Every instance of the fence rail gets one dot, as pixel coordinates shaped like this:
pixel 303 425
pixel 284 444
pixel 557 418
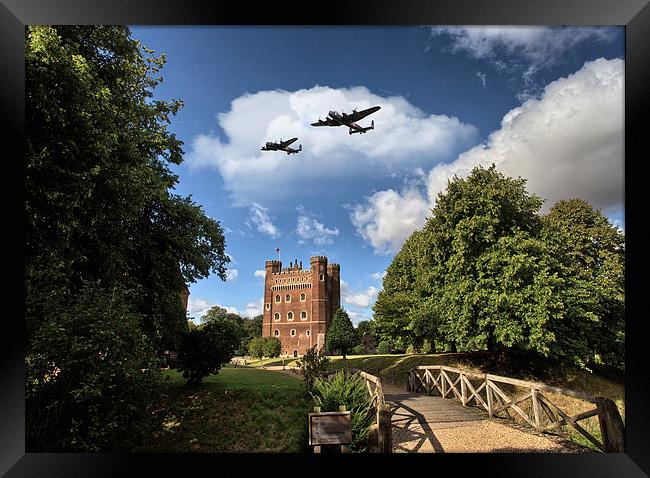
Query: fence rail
pixel 545 416
pixel 378 401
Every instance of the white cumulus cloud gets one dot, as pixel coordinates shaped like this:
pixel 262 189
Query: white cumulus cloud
pixel 197 307
pixel 259 215
pixel 260 273
pixel 404 137
pixel 388 217
pixel 308 228
pixel 537 45
pixel 253 309
pixel 358 298
pixel 232 274
pixel 567 143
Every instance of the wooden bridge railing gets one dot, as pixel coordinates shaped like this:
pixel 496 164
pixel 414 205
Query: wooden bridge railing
pixel 376 392
pixel 545 416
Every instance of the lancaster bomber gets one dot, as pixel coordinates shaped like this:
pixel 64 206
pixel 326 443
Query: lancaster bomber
pixel 282 146
pixel 343 119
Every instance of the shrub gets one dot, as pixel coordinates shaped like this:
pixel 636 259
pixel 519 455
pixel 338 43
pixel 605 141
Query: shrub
pixel 203 351
pixel 312 365
pixel 347 389
pixel 91 375
pixel 359 350
pixel 384 347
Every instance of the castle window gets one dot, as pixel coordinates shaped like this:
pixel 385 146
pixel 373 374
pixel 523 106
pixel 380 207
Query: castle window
pixel 290 316
pixel 293 332
pixel 276 333
pixel 303 315
pixel 308 333
pixel 277 316
pixel 303 297
pixel 268 306
pixel 321 276
pixel 277 298
pixel 287 298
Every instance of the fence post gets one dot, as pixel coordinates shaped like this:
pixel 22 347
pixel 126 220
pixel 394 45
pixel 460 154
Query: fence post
pixel 612 428
pixel 384 432
pixel 488 393
pixel 463 392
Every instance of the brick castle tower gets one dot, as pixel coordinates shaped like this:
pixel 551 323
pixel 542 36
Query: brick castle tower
pixel 299 304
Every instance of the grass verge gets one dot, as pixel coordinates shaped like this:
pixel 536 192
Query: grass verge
pixel 238 410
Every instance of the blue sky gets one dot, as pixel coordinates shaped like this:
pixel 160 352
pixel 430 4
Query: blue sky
pixel 542 103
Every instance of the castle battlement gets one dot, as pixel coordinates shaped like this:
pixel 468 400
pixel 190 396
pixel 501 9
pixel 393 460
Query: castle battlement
pixel 299 304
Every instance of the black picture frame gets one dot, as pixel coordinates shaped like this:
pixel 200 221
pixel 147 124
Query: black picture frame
pixel 633 14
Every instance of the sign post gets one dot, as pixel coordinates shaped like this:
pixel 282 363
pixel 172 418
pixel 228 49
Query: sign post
pixel 330 428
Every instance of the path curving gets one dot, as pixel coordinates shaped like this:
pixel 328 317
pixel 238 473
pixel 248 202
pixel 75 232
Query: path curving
pixel 426 424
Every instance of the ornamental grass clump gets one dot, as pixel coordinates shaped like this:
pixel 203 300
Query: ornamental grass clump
pixel 347 389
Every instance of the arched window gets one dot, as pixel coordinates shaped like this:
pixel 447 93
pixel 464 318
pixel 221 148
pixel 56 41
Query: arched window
pixel 303 297
pixel 268 306
pixel 293 332
pixel 290 316
pixel 303 315
pixel 277 298
pixel 287 298
pixel 276 316
pixel 276 333
pixel 308 333
pixel 321 276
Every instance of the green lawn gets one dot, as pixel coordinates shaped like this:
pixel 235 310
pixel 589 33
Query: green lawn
pixel 238 410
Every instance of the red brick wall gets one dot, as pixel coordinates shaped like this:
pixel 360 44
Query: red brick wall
pixel 294 281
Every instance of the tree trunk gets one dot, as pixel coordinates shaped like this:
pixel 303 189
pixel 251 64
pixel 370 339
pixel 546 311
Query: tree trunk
pixel 453 347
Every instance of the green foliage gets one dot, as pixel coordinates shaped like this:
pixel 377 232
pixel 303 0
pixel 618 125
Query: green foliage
pixel 99 211
pixel 341 334
pixel 359 349
pixel 384 347
pixel 312 365
pixel 347 389
pixel 204 350
pixel 251 328
pixel 487 271
pixel 91 375
pixel 261 347
pixel 272 347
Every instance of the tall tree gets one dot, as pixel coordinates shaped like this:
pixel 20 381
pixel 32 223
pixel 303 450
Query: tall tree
pixel 591 253
pixel 341 334
pixel 100 216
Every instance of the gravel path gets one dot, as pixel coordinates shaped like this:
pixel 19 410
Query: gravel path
pixel 424 424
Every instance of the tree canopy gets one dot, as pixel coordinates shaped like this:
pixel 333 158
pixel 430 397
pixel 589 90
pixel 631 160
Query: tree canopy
pixel 488 271
pixel 341 334
pixel 100 216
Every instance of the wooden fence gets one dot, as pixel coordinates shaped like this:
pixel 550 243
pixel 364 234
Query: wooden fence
pixel 544 415
pixel 376 392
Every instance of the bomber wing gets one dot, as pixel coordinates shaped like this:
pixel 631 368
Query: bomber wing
pixel 286 143
pixel 357 115
pixel 327 122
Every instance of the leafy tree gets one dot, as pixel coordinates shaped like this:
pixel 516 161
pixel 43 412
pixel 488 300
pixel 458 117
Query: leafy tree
pixel 256 348
pixel 312 365
pixel 591 254
pixel 384 347
pixel 91 375
pixel 359 349
pixel 252 328
pixel 204 350
pixel 341 334
pixel 272 346
pixel 99 212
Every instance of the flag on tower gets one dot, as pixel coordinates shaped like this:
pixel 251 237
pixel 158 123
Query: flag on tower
pixel 277 249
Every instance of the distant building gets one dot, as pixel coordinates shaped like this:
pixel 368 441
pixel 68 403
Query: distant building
pixel 299 304
pixel 368 343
